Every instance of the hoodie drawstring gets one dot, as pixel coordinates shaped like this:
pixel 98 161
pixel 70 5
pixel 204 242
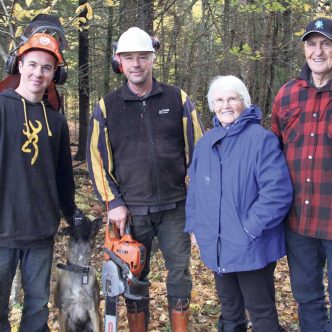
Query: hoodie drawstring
pixel 26 117
pixel 48 127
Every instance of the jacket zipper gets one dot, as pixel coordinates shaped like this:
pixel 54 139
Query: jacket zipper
pixel 219 225
pixel 152 150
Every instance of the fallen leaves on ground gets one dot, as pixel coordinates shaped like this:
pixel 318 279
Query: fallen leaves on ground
pixel 204 308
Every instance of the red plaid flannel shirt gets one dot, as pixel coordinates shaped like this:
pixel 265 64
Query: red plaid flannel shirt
pixel 302 119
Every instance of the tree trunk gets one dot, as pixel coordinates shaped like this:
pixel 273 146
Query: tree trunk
pixel 83 90
pixel 145 15
pixel 108 52
pixel 267 65
pixel 127 14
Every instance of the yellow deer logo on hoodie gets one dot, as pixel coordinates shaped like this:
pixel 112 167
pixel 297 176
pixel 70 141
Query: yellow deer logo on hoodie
pixel 31 133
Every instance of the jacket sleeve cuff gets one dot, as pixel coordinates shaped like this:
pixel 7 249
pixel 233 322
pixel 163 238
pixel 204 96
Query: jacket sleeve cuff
pixel 115 203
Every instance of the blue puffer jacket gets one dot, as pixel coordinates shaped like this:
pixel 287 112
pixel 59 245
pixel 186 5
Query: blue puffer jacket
pixel 239 193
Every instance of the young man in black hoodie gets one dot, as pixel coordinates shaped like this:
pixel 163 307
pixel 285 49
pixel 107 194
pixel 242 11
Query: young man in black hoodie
pixel 36 181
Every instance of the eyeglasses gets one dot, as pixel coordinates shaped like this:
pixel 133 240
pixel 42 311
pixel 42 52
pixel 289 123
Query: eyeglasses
pixel 232 101
pixel 312 45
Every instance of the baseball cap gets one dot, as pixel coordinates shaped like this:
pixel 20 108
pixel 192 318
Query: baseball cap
pixel 320 25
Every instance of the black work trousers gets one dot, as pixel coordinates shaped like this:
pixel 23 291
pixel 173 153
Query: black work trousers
pixel 174 243
pixel 251 290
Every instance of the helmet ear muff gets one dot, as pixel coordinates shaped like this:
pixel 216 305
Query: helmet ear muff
pixel 59 78
pixel 12 63
pixel 116 64
pixel 155 42
pixel 116 61
pixel 60 75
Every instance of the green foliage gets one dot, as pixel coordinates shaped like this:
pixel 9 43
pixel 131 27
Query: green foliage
pixel 261 6
pixel 245 52
pixel 199 39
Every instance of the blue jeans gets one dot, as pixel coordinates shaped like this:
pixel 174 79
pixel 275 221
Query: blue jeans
pixel 307 257
pixel 35 266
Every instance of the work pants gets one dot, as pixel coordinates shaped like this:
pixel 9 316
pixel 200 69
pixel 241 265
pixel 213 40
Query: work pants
pixel 174 243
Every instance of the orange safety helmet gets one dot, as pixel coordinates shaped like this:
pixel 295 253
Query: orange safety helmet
pixel 42 41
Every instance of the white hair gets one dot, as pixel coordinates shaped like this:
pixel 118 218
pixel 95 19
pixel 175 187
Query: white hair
pixel 228 83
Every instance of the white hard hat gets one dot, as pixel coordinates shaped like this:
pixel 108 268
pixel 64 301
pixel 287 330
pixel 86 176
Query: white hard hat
pixel 134 40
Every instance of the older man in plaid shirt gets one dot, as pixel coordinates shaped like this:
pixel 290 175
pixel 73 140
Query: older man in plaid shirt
pixel 302 119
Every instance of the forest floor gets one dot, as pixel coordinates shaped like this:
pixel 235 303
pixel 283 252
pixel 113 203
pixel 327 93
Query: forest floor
pixel 204 308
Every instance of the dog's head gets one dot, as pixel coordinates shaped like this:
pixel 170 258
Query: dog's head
pixel 82 228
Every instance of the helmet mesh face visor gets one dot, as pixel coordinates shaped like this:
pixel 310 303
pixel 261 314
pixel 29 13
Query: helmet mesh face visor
pixel 48 24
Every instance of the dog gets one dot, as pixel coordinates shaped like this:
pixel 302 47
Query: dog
pixel 77 291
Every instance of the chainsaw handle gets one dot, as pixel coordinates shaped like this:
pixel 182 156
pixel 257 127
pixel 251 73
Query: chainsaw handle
pixel 117 260
pixel 138 282
pixel 127 228
pixel 116 230
pixel 111 228
pixel 125 269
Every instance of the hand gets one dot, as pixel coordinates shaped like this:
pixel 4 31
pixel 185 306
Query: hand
pixel 118 216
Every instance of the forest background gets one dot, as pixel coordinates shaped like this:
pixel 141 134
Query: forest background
pixel 256 40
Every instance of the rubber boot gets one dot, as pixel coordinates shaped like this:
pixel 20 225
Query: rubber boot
pixel 138 315
pixel 136 322
pixel 179 320
pixel 179 316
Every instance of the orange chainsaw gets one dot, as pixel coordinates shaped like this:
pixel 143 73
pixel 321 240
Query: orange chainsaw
pixel 125 259
pixel 126 248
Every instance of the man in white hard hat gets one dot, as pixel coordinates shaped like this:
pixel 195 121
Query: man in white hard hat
pixel 141 139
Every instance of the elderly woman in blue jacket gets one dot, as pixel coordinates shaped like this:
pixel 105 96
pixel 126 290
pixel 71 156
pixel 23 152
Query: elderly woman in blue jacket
pixel 239 193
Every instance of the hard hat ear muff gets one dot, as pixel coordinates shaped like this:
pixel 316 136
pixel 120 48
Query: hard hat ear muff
pixel 116 61
pixel 60 75
pixel 155 42
pixel 11 64
pixel 59 78
pixel 116 64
